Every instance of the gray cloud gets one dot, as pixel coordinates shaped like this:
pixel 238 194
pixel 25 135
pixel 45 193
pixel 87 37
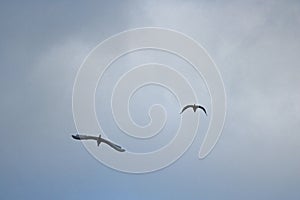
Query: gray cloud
pixel 255 44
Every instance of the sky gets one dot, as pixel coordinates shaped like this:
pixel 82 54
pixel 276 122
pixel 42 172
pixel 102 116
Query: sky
pixel 255 45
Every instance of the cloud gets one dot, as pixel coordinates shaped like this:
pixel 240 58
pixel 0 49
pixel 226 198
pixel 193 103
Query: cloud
pixel 255 44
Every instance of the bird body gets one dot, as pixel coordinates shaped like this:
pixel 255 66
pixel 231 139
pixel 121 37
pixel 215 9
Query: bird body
pixel 195 107
pixel 99 140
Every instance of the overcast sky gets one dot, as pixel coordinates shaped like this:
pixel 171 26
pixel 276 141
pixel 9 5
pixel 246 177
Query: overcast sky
pixel 256 46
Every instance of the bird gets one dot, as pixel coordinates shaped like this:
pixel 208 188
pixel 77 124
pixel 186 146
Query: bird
pixel 99 140
pixel 194 108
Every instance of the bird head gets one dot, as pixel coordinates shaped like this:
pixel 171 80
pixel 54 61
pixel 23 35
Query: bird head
pixel 99 140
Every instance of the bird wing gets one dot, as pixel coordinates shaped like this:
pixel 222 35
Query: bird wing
pixel 84 137
pixel 203 109
pixel 114 146
pixel 76 137
pixel 186 107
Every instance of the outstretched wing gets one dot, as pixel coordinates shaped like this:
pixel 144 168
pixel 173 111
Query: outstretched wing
pixel 186 107
pixel 202 108
pixel 84 137
pixel 114 146
pixel 76 137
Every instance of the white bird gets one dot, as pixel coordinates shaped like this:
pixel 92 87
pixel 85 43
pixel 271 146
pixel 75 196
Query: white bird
pixel 99 140
pixel 194 108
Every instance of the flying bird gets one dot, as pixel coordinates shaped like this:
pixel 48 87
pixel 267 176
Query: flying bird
pixel 99 140
pixel 195 107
